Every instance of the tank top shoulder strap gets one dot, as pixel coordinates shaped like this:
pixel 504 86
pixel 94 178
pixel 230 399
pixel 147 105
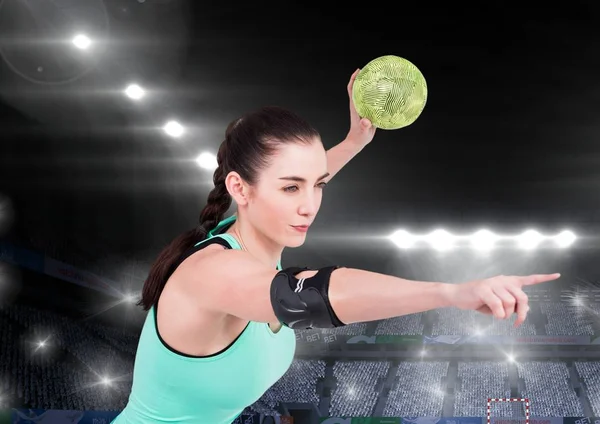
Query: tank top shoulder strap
pixel 219 236
pixel 233 243
pixel 230 240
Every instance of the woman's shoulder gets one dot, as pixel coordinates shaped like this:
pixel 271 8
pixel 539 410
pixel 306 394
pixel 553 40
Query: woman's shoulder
pixel 200 257
pixel 217 259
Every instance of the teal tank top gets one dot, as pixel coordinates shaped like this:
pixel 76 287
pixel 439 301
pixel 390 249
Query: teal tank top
pixel 171 387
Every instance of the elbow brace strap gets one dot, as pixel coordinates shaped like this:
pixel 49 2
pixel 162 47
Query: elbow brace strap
pixel 303 303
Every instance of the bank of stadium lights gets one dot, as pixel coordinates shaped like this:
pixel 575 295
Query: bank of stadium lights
pixel 482 240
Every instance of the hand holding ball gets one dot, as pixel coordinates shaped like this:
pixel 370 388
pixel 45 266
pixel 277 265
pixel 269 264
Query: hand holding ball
pixel 389 91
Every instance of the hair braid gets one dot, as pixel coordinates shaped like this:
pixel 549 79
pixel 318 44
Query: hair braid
pixel 219 199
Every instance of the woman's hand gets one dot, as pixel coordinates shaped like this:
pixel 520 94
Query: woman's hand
pixel 361 131
pixel 499 296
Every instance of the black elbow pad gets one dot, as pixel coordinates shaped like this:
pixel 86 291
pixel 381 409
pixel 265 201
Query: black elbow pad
pixel 303 303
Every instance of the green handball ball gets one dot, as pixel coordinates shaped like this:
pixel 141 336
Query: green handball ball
pixel 389 91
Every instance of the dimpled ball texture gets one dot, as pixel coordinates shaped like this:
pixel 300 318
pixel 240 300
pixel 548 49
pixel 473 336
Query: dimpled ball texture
pixel 389 91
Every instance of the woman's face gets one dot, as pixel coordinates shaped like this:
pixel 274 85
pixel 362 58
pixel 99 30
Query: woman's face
pixel 287 196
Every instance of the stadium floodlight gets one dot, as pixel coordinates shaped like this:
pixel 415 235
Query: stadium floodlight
pixel 134 92
pixel 173 129
pixel 207 161
pixel 565 239
pixel 530 239
pixel 441 240
pixel 81 41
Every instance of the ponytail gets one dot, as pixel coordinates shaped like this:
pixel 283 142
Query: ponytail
pixel 219 201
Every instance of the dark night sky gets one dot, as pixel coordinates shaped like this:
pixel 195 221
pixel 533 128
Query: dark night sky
pixel 510 130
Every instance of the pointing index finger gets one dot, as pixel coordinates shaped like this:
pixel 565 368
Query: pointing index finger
pixel 539 278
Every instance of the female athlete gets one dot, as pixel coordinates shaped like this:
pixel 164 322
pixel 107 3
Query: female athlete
pixel 222 311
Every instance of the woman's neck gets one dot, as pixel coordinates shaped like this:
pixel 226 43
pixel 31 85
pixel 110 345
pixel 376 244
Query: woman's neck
pixel 256 244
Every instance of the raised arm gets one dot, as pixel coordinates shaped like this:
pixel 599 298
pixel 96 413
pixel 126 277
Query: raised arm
pixel 360 134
